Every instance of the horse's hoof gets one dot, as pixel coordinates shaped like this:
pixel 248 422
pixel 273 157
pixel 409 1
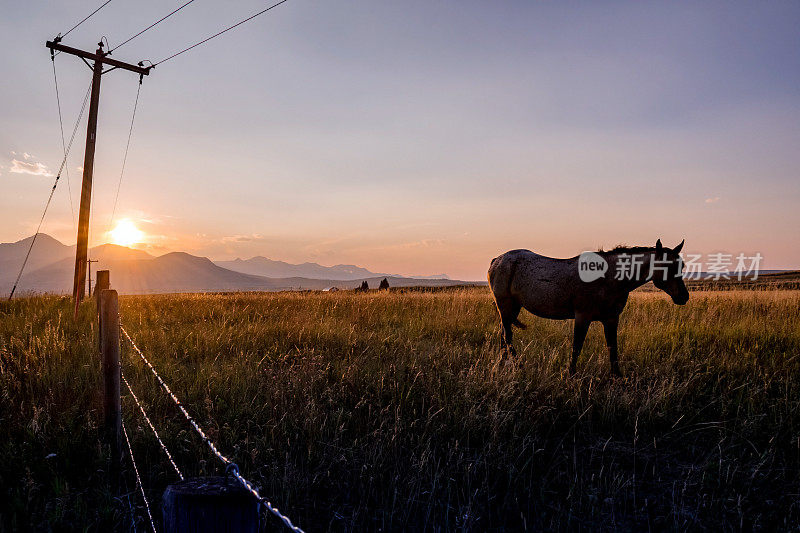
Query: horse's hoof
pixel 572 370
pixel 616 372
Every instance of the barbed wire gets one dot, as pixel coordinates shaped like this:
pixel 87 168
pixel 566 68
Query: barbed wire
pixel 175 399
pixel 149 423
pixel 232 468
pixel 138 478
pixel 272 509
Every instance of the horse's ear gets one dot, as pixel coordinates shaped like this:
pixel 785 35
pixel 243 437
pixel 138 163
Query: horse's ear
pixel 659 246
pixel 678 248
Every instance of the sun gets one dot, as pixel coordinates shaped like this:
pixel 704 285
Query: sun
pixel 126 233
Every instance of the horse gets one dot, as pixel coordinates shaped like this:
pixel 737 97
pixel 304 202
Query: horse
pixel 593 286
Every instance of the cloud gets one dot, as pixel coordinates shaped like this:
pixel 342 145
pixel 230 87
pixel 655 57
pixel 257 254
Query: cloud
pixel 35 168
pixel 256 237
pixel 402 246
pixel 713 200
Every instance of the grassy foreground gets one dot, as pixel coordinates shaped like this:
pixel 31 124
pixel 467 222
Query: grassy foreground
pixel 387 411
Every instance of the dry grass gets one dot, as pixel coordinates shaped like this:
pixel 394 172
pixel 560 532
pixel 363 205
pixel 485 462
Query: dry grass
pixel 389 411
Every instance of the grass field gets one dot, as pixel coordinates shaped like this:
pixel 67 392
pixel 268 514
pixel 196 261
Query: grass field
pixel 387 411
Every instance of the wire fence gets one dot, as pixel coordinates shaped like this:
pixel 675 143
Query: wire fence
pixel 138 477
pixel 231 468
pixel 152 427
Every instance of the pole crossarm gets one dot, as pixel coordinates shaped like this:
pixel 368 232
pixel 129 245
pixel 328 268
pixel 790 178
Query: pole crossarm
pixel 144 71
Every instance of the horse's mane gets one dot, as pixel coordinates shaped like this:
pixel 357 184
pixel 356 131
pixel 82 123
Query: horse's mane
pixel 623 249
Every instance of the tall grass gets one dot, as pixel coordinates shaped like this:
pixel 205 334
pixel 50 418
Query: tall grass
pixel 392 411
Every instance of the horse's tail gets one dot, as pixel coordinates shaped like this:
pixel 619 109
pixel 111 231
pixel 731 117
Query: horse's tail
pixel 497 285
pixel 511 275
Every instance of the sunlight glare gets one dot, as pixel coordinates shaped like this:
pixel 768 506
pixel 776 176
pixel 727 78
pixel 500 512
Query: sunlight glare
pixel 126 233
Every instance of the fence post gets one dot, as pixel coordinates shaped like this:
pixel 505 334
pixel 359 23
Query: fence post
pixel 103 282
pixel 112 412
pixel 210 504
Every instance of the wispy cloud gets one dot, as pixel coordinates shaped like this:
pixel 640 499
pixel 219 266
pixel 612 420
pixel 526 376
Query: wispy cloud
pixel 412 245
pixel 242 238
pixel 713 200
pixel 33 167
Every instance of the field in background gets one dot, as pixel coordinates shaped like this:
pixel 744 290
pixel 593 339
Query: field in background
pixel 389 411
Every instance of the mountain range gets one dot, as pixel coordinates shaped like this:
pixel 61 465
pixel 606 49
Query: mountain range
pixel 51 264
pixel 262 266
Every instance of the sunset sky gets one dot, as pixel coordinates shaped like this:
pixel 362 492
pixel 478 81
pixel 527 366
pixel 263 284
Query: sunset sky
pixel 417 137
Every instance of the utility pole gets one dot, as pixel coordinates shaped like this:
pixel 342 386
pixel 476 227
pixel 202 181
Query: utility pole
pixel 100 58
pixel 89 288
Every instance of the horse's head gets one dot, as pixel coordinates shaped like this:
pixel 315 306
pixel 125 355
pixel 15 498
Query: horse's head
pixel 668 272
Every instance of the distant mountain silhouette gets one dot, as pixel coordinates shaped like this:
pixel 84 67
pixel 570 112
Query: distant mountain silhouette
pixel 115 252
pixel 136 271
pixel 262 266
pixel 45 251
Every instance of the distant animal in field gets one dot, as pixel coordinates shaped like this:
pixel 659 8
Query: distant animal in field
pixel 384 286
pixel 593 286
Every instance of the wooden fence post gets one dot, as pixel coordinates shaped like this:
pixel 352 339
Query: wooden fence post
pixel 112 411
pixel 209 505
pixel 103 282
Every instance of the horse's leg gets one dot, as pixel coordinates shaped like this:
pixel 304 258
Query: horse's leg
pixel 581 327
pixel 610 330
pixel 509 311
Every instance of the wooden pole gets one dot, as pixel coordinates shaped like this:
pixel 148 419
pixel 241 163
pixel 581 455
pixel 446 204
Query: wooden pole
pixel 89 287
pixel 81 250
pixel 210 504
pixel 100 58
pixel 112 409
pixel 103 282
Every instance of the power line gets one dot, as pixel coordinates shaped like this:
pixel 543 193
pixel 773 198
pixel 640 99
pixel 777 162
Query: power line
pixel 50 198
pixel 125 157
pixel 63 144
pixel 165 17
pixel 221 32
pixel 85 19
